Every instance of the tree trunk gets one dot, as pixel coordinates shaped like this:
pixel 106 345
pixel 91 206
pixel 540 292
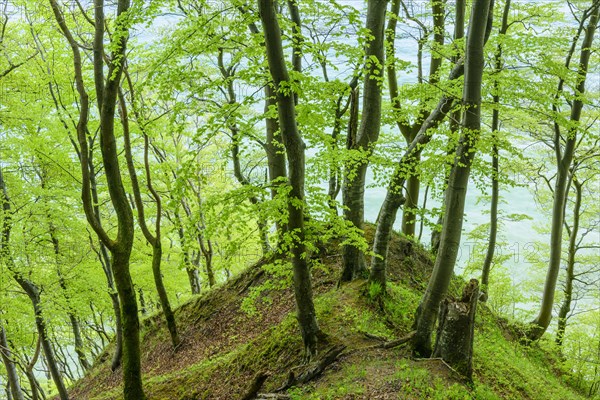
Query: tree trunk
pixel 14 386
pixel 455 334
pixel 120 248
pixel 489 256
pixel 104 258
pixel 539 325
pixel 132 382
pixel 565 307
pixel 294 147
pixel 32 291
pixel 413 183
pixel 458 180
pixel 142 300
pixel 153 240
pixel 34 295
pixel 190 268
pixel 162 295
pixel 353 190
pixel 406 167
pixel 36 389
pixel 78 341
pixel 194 279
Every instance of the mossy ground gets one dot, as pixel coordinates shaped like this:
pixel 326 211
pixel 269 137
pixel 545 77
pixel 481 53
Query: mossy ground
pixel 225 347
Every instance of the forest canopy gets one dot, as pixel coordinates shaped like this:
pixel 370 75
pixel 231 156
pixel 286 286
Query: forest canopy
pixel 153 151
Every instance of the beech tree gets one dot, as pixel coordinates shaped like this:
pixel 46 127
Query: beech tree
pixel 366 136
pixel 107 88
pixel 564 157
pixel 458 180
pixel 294 147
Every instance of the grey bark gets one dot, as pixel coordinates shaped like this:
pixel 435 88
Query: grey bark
pixel 294 147
pixel 565 307
pixel 458 180
pixel 353 188
pixel 489 256
pixel 455 335
pixel 14 385
pixel 564 158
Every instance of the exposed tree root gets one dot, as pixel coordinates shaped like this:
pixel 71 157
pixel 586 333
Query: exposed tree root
pixel 313 371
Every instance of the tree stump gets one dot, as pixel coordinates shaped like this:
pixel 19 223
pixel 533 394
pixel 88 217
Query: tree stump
pixel 454 340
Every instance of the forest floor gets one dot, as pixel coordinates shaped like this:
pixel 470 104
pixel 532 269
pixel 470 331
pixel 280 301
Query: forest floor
pixel 247 326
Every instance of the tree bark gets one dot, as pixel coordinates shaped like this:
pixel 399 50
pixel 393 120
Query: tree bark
pixel 565 307
pixel 454 340
pixel 489 256
pixel 405 167
pixel 32 291
pixel 153 240
pixel 564 159
pixel 120 248
pixel 14 386
pixel 353 189
pixel 458 180
pixel 294 147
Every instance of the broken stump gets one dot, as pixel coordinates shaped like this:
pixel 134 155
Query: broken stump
pixel 455 334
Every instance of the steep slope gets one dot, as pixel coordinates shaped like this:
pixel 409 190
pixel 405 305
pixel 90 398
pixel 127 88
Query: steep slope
pixel 247 327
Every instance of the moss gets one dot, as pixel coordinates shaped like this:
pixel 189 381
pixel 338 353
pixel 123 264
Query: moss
pixel 503 367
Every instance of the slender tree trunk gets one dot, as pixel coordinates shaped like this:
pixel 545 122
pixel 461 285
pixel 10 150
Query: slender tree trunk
pixel 32 291
pixel 14 385
pixel 162 295
pixel 405 167
pixel 458 181
pixel 353 190
pixel 104 258
pixel 34 295
pixel 455 116
pixel 120 248
pixel 565 307
pixel 489 256
pixel 294 147
pixel 190 268
pixel 78 341
pixel 36 389
pixel 564 158
pixel 153 240
pixel 413 183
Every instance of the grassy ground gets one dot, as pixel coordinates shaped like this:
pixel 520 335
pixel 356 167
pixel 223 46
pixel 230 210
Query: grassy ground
pixel 247 326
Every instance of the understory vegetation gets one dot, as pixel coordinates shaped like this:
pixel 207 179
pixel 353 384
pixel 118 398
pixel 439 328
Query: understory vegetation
pixel 299 199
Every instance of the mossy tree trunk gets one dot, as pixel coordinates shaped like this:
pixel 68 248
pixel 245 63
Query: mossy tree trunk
pixel 294 147
pixel 455 334
pixel 107 88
